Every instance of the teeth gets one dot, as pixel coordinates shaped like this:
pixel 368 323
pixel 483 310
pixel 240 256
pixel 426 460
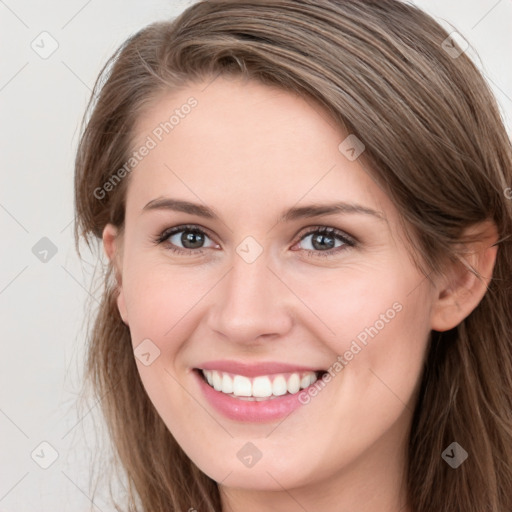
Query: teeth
pixel 227 384
pixel 217 381
pixel 279 386
pixel 239 386
pixel 306 381
pixel 259 387
pixel 293 384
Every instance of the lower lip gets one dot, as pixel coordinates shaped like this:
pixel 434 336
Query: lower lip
pixel 251 411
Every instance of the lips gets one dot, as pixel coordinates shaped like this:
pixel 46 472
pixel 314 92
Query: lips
pixel 259 392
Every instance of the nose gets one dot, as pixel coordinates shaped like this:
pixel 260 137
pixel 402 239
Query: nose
pixel 251 303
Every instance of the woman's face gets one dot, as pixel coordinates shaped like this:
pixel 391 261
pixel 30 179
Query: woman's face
pixel 285 252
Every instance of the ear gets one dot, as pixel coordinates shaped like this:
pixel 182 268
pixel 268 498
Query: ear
pixel 465 282
pixel 112 245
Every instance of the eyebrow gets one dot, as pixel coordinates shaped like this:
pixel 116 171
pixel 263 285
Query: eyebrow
pixel 294 213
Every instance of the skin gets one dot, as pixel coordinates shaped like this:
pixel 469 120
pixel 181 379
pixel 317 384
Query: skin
pixel 249 152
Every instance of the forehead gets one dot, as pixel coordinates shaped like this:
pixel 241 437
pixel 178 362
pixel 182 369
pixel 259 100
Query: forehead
pixel 246 144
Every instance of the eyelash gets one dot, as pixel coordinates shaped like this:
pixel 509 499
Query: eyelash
pixel 348 241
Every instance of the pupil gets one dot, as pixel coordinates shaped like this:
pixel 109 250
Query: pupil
pixel 319 242
pixel 194 240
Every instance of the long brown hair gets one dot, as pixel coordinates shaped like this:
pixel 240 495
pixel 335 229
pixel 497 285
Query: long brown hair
pixel 434 139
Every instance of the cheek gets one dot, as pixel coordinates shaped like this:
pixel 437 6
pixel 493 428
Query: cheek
pixel 363 304
pixel 376 323
pixel 160 301
pixel 158 297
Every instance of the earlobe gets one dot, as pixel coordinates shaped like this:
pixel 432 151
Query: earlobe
pixel 111 241
pixel 466 283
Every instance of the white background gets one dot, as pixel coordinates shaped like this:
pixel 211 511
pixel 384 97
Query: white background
pixel 42 305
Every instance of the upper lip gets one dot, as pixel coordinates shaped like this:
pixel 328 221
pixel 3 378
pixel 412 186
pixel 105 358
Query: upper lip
pixel 255 369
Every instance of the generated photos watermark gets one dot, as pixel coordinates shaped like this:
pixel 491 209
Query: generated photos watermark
pixel 356 346
pixel 150 143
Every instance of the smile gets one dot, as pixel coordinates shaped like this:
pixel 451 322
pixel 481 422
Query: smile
pixel 256 399
pixel 263 387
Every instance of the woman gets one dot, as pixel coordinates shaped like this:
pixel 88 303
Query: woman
pixel 305 211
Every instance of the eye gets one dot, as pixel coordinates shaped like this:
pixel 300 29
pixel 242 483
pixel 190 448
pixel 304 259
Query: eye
pixel 326 241
pixel 188 240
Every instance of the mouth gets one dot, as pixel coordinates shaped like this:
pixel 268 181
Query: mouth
pixel 259 388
